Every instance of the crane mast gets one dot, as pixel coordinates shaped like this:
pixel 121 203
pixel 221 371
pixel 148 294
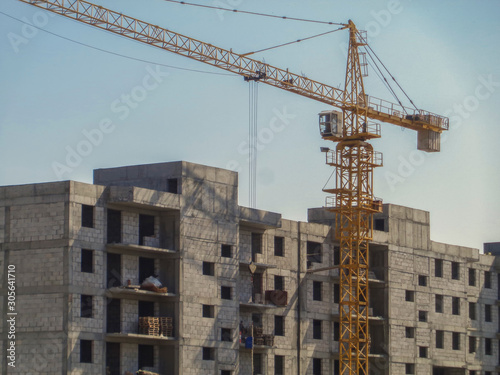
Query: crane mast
pixel 353 157
pixel 354 204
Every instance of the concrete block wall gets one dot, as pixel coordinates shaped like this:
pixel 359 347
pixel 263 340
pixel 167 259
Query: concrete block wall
pixel 86 279
pixel 98 357
pixel 37 222
pixel 40 312
pixel 38 353
pixel 39 267
pixel 95 323
pixel 129 316
pixel 128 354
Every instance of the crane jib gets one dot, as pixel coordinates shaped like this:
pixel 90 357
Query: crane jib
pixel 100 17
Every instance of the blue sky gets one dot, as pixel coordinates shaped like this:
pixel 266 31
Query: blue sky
pixel 56 93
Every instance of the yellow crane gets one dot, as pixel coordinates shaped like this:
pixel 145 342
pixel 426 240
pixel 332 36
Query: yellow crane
pixel 354 158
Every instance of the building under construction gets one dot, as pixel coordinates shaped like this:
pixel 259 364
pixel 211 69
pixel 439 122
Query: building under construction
pixel 232 290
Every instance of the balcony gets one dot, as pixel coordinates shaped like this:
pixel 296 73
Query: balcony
pixel 136 338
pixel 258 341
pixel 135 292
pixel 152 331
pixel 141 250
pixel 130 196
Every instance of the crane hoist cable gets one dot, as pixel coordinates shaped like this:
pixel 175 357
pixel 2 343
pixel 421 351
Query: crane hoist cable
pixel 253 99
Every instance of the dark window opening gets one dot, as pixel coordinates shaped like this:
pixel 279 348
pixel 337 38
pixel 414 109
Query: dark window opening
pixel 256 244
pixel 336 256
pixel 278 246
pixel 472 344
pixel 410 296
pixel 87 216
pixel 472 311
pixel 226 334
pixel 472 277
pixel 257 286
pixel 146 268
pixel 146 308
pixel 487 279
pixel 336 331
pixel 85 351
pixel 422 280
pixel 487 313
pixel 114 270
pixel 439 339
pixel 172 186
pixel 225 372
pixel 336 367
pixel 455 340
pixel 226 251
pixel 279 282
pixel 279 362
pixel 422 316
pixel 113 316
pixel 279 327
pixel 208 311
pixel 316 366
pixel 314 252
pixel 379 224
pixel 455 305
pixel 409 332
pixel 455 270
pixel 146 356
pixel 87 258
pixel 86 309
pixel 146 227
pixel 114 230
pixel 422 351
pixel 409 369
pixel 336 293
pixel 438 268
pixel 208 354
pixel 317 291
pixel 487 346
pixel 113 358
pixel 317 330
pixel 498 286
pixel 257 364
pixel 257 319
pixel 225 292
pixel 439 303
pixel 208 268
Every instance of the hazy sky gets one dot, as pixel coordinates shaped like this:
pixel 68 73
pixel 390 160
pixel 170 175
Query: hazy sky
pixel 71 82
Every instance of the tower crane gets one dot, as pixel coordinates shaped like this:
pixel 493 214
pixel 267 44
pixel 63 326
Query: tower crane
pixel 353 157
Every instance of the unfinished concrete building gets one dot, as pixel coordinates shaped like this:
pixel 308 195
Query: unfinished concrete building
pixel 81 252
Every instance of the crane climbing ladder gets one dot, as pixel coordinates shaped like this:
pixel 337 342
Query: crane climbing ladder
pixel 354 158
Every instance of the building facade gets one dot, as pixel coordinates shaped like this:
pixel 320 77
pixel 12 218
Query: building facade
pixel 79 253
